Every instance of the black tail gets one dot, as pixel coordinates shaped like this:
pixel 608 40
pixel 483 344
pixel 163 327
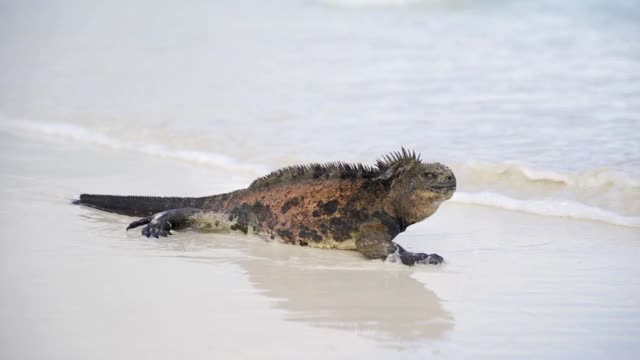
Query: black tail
pixel 137 205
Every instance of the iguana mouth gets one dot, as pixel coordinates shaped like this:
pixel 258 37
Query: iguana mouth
pixel 444 188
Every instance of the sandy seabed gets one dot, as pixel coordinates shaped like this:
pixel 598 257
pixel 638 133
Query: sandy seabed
pixel 75 285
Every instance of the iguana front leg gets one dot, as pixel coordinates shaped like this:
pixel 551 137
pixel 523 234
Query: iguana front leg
pixel 375 242
pixel 162 223
pixel 411 258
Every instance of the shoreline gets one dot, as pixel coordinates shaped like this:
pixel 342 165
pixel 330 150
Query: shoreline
pixel 214 162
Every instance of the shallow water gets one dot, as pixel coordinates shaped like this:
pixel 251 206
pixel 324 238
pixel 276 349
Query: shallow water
pixel 536 107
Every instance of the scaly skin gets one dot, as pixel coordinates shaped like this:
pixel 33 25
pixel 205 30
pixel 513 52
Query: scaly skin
pixel 341 206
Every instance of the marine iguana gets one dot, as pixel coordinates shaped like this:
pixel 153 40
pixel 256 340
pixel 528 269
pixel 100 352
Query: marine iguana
pixel 333 205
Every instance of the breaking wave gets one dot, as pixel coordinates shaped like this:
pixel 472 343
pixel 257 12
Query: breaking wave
pixel 82 134
pixel 518 173
pixel 601 194
pixel 547 207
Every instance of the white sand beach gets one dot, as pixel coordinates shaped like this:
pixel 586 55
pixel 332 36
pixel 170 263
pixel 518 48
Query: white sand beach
pixel 75 285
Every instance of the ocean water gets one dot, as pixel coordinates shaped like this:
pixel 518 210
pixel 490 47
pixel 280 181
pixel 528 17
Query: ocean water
pixel 536 106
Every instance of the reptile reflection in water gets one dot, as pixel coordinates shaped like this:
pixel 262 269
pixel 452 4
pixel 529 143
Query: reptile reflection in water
pixel 379 301
pixel 327 288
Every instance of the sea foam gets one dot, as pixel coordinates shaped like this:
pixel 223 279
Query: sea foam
pixel 77 133
pixel 518 172
pixel 547 207
pixel 604 188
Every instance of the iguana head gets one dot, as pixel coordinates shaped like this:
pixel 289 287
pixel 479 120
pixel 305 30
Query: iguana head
pixel 416 189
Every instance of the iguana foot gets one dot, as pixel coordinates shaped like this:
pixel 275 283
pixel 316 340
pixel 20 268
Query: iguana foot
pixel 157 228
pixel 409 258
pixel 156 225
pixel 161 223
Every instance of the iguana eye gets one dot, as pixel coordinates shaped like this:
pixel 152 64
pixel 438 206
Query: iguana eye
pixel 429 175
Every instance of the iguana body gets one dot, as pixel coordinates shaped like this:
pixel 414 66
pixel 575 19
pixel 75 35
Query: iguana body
pixel 341 206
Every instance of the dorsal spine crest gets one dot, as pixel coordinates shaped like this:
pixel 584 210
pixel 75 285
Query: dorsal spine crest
pixel 336 170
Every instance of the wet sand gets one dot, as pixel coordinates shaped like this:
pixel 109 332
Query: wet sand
pixel 75 285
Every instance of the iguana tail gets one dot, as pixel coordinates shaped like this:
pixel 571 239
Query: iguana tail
pixel 138 205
